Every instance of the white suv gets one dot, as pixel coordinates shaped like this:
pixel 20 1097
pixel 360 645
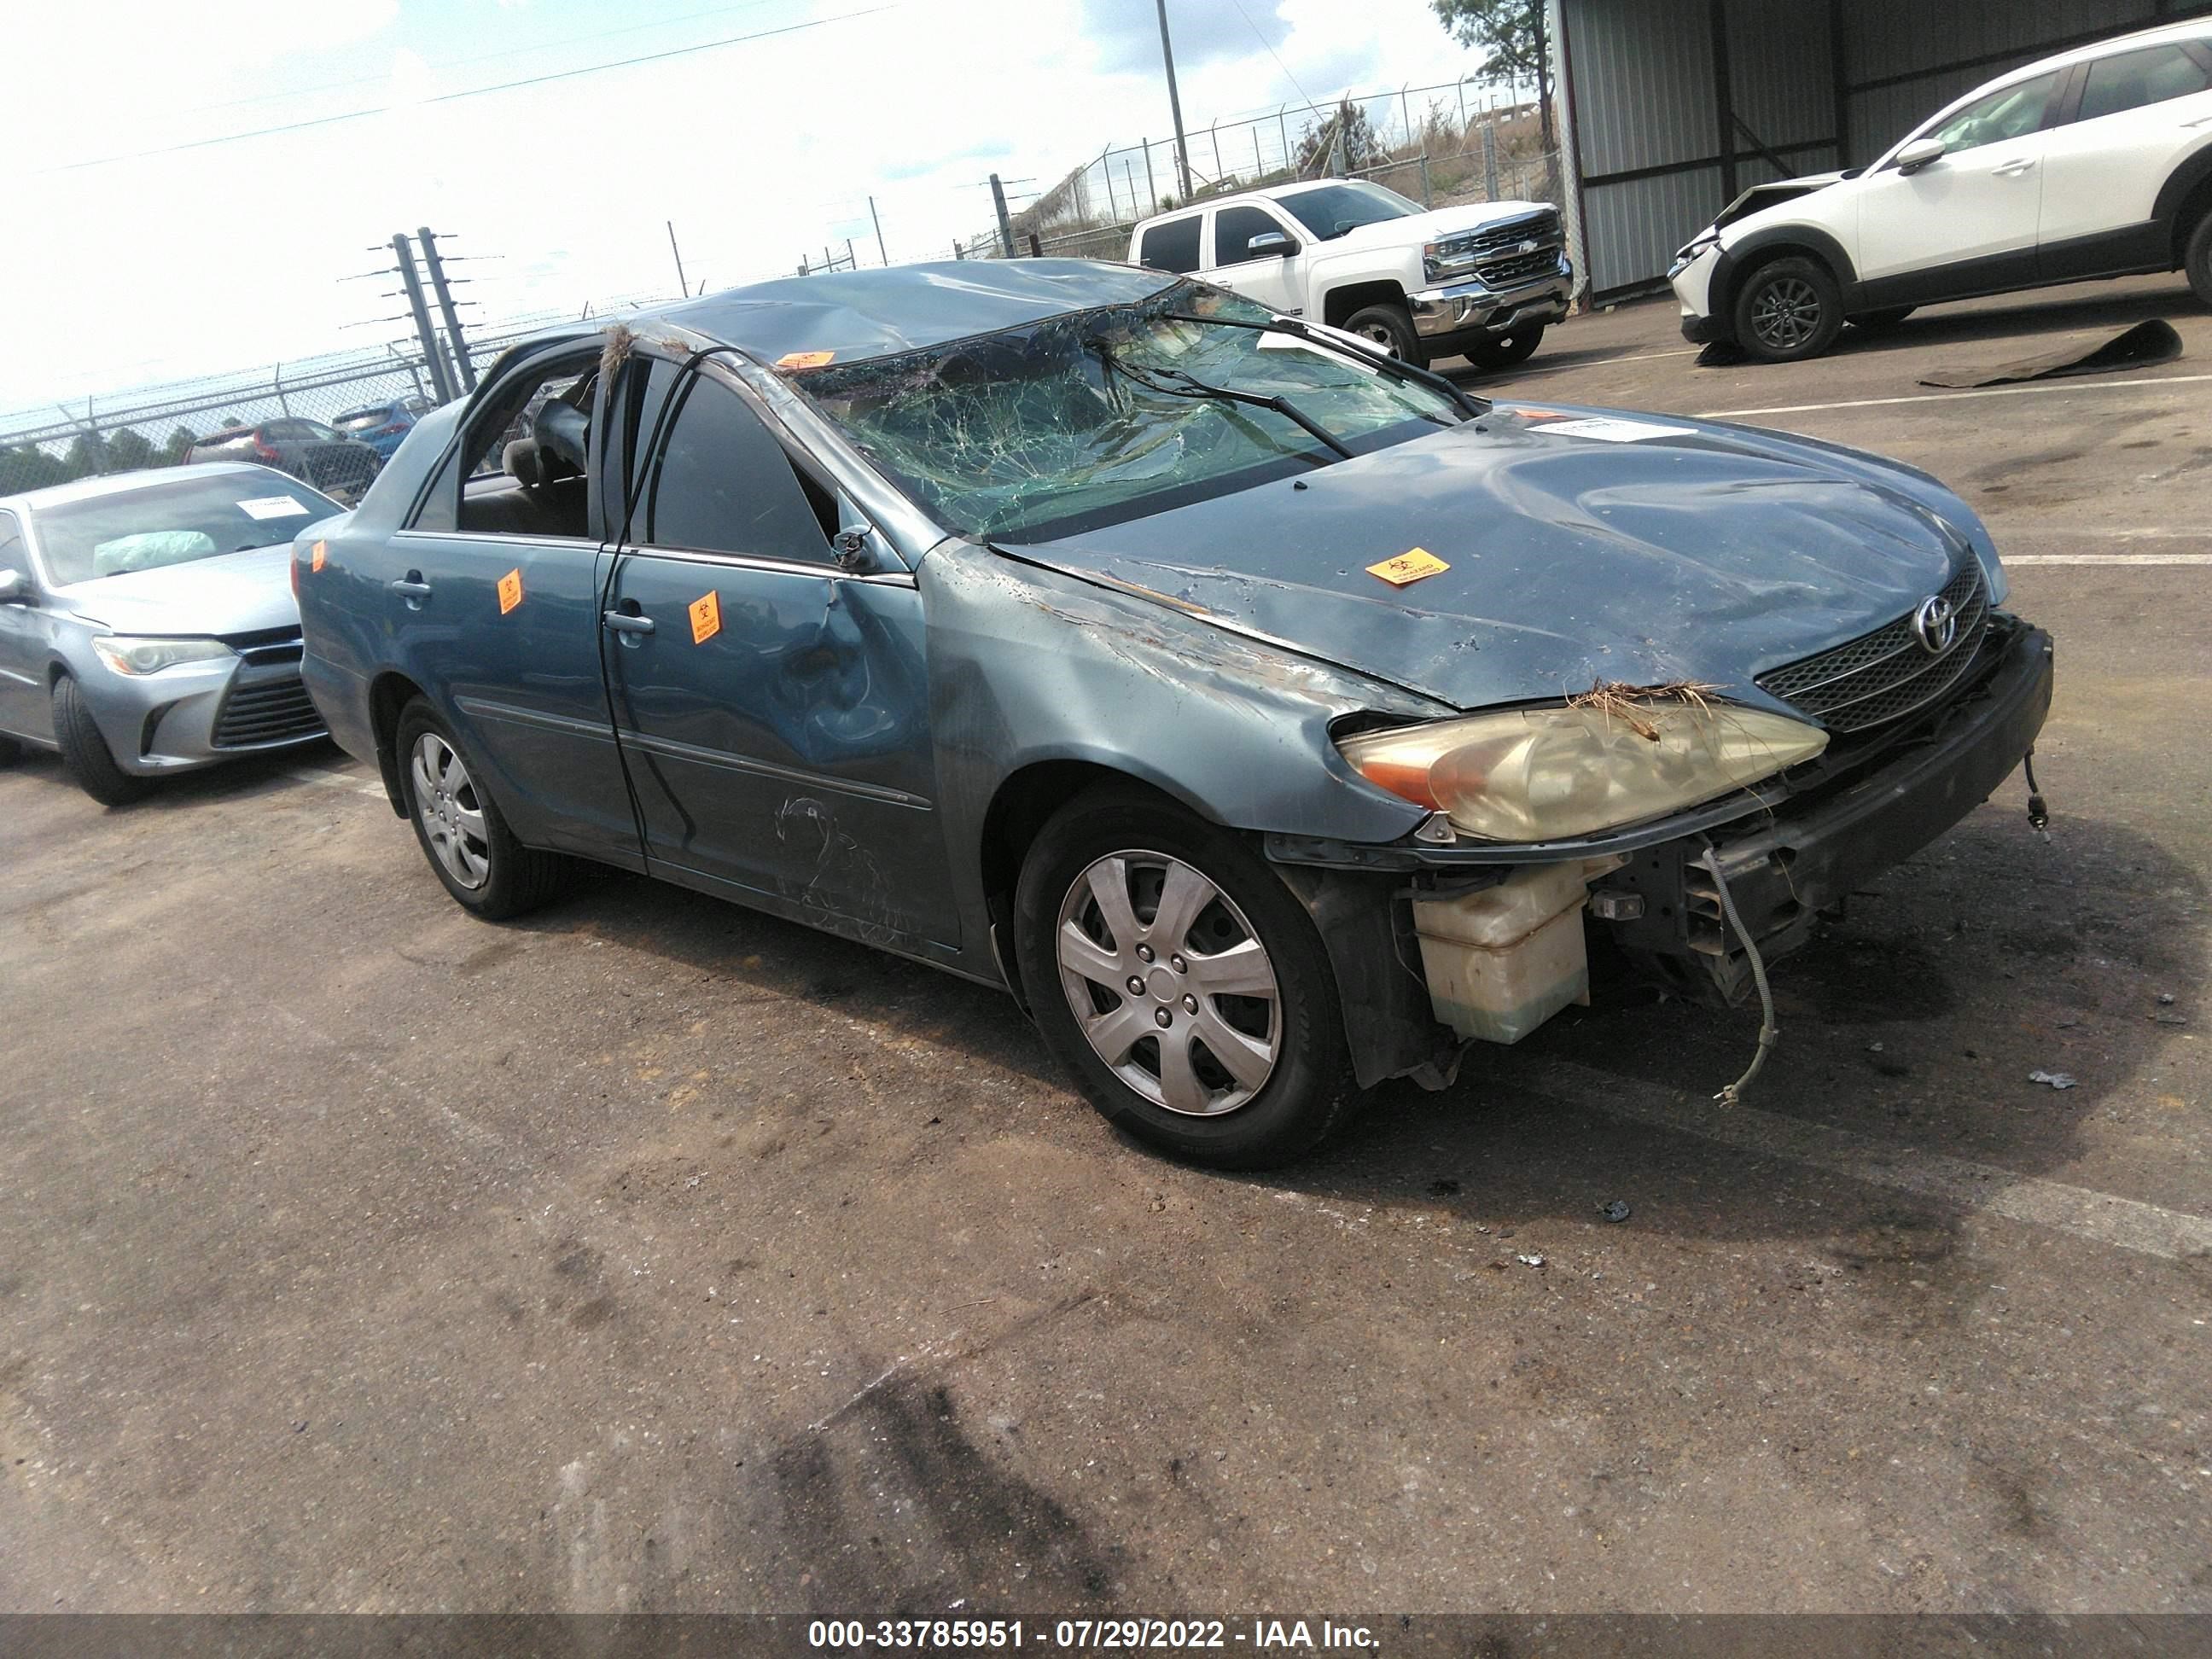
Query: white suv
pixel 2095 163
pixel 1480 281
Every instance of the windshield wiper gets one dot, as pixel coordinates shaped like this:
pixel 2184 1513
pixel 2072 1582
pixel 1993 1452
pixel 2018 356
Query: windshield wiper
pixel 1475 407
pixel 1173 383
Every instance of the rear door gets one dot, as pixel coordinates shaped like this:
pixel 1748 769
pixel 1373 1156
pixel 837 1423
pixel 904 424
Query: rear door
pixel 2135 115
pixel 773 707
pixel 1967 222
pixel 1274 274
pixel 491 598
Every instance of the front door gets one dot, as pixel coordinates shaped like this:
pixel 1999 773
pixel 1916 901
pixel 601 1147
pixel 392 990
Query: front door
pixel 493 597
pixel 1273 273
pixel 23 706
pixel 1965 222
pixel 773 708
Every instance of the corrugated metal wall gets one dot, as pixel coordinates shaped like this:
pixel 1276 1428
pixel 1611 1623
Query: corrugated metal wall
pixel 1643 81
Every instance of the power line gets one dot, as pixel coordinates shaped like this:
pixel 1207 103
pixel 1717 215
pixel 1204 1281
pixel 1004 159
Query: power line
pixel 1262 40
pixel 466 92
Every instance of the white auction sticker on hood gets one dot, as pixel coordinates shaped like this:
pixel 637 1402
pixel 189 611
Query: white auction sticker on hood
pixel 273 506
pixel 1608 430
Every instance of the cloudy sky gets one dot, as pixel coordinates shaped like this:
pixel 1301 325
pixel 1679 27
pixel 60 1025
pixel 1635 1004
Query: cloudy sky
pixel 144 253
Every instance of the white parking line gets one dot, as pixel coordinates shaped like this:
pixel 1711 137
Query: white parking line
pixel 2012 559
pixel 334 780
pixel 2074 385
pixel 2121 1223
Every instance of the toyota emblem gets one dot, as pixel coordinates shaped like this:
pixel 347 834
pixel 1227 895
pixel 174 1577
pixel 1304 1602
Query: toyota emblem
pixel 1936 624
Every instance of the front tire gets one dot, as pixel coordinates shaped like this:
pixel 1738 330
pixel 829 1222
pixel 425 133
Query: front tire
pixel 1506 350
pixel 1788 311
pixel 2196 259
pixel 469 848
pixel 85 754
pixel 1229 1050
pixel 1391 327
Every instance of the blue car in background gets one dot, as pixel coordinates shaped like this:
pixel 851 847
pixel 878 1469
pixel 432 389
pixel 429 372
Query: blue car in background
pixel 381 426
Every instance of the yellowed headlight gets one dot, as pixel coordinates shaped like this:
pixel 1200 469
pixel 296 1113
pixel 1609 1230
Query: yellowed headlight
pixel 1550 773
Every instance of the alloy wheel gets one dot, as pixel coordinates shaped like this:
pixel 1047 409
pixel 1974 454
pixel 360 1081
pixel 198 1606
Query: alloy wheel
pixel 1169 983
pixel 452 814
pixel 1787 313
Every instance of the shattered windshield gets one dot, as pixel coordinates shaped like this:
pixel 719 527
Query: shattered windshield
pixel 1099 416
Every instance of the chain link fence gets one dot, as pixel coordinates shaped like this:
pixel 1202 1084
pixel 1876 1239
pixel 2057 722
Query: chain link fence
pixel 1440 145
pixel 362 395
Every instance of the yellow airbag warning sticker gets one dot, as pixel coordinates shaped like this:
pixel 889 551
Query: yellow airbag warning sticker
pixel 510 590
pixel 321 555
pixel 1408 567
pixel 706 618
pixel 803 359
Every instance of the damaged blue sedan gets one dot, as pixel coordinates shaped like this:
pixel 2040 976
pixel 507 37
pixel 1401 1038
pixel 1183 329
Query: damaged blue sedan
pixel 1269 716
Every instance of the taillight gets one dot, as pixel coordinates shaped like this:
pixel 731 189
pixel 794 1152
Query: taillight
pixel 263 451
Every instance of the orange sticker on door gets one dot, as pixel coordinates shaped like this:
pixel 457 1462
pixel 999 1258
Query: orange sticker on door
pixel 510 590
pixel 1408 567
pixel 706 618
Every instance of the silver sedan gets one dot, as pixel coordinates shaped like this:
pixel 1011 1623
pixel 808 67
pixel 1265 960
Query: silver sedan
pixel 148 623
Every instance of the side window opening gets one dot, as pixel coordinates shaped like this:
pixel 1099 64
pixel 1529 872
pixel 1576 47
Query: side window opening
pixel 1171 245
pixel 1234 228
pixel 524 463
pixel 2131 80
pixel 2009 113
pixel 723 484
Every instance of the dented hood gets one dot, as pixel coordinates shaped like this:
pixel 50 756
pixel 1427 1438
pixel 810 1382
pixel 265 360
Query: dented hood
pixel 1667 550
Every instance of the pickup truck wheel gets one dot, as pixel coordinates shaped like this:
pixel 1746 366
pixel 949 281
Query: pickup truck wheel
pixel 1789 311
pixel 462 834
pixel 1504 350
pixel 85 754
pixel 2197 258
pixel 1391 327
pixel 1176 977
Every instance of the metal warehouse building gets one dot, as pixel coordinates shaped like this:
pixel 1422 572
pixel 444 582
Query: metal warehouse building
pixel 1670 107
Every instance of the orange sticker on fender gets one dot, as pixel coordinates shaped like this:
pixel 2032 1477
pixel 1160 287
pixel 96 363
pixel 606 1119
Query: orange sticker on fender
pixel 322 556
pixel 510 590
pixel 1408 567
pixel 706 618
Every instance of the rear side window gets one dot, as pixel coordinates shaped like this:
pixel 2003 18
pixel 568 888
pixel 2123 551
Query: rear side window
pixel 11 546
pixel 724 485
pixel 1171 245
pixel 1234 228
pixel 2130 80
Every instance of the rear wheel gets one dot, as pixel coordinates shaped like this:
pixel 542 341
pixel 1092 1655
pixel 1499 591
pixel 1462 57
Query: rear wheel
pixel 462 834
pixel 1176 978
pixel 2196 259
pixel 85 754
pixel 1788 311
pixel 1503 350
pixel 1391 327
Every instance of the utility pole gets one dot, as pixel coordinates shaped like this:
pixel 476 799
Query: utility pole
pixel 433 358
pixel 681 286
pixel 446 308
pixel 880 254
pixel 1175 101
pixel 1006 225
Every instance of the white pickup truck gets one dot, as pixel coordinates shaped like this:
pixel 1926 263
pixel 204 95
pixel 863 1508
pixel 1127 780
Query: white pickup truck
pixel 1480 282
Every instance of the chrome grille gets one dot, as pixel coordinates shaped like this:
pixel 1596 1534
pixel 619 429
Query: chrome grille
pixel 1879 676
pixel 1496 239
pixel 1521 268
pixel 273 710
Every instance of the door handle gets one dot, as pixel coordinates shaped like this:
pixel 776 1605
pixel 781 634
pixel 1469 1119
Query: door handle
pixel 2014 169
pixel 412 588
pixel 621 622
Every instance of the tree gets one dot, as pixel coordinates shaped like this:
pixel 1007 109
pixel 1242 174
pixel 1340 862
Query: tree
pixel 1511 37
pixel 29 468
pixel 128 450
pixel 1348 122
pixel 87 456
pixel 180 445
